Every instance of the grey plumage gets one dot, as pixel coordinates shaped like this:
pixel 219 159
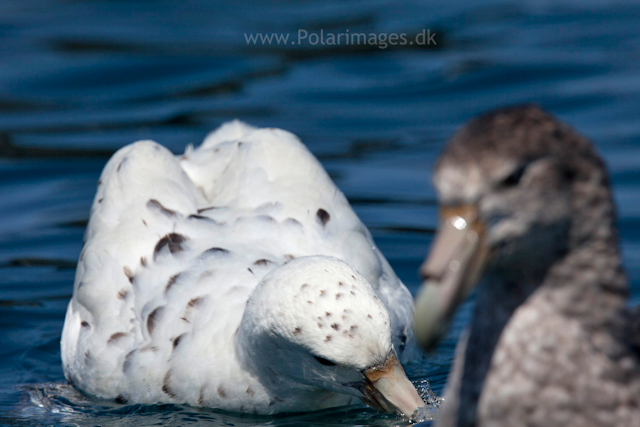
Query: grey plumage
pixel 551 342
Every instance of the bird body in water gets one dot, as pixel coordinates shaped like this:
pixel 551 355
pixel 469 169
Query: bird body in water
pixel 237 277
pixel 527 214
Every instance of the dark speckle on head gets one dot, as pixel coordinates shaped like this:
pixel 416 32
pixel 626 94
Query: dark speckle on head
pixel 309 302
pixel 100 200
pixel 128 273
pixel 352 293
pixel 153 318
pixel 338 295
pixel 340 284
pixel 320 325
pixel 250 270
pixel 369 316
pixel 122 294
pixel 297 330
pixel 304 285
pixel 323 216
pixel 353 277
pixel 326 313
pixel 289 256
pixel 84 324
pixel 143 261
pixel 327 338
pixel 335 326
pixel 263 261
pixel 173 241
pixel 250 391
pixel 115 337
pixel 323 293
pixel 155 206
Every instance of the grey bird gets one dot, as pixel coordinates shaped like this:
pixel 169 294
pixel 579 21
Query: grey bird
pixel 527 218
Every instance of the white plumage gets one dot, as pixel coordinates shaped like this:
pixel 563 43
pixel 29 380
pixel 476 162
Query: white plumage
pixel 176 246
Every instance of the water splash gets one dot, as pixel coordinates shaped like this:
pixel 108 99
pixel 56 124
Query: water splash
pixel 432 404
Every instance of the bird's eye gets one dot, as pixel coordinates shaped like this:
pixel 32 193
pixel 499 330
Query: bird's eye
pixel 324 361
pixel 514 177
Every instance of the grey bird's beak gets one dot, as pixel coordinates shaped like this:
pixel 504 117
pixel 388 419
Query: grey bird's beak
pixel 387 388
pixel 451 270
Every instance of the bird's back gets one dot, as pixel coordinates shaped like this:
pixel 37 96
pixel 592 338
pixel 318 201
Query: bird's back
pixel 174 247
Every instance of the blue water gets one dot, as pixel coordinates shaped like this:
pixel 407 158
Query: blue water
pixel 78 79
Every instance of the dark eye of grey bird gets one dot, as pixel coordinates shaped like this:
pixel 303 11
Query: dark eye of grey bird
pixel 513 179
pixel 324 361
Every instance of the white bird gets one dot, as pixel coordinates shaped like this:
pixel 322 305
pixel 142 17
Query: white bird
pixel 235 276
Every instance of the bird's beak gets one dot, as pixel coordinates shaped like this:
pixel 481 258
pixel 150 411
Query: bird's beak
pixel 387 388
pixel 451 270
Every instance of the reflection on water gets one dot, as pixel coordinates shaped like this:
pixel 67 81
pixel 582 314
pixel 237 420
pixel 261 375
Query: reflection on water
pixel 62 404
pixel 80 79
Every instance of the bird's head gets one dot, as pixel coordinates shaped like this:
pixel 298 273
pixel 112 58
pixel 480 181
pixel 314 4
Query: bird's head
pixel 315 322
pixel 514 186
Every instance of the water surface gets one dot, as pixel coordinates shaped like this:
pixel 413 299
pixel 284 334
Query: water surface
pixel 79 79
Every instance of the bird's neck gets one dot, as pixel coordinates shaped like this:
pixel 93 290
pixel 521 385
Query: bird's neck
pixel 587 283
pixel 496 301
pixel 261 356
